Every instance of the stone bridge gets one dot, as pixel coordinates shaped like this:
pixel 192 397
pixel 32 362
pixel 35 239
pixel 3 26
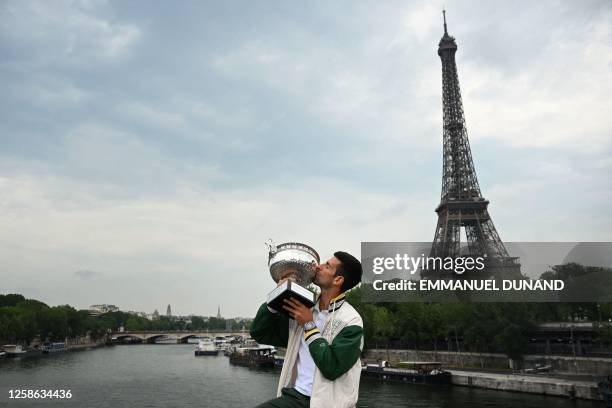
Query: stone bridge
pixel 180 336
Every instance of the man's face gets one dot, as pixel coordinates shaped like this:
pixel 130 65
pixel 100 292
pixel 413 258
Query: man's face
pixel 325 274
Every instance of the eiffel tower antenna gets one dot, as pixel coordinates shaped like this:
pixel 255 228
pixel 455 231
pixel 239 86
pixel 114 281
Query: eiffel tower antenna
pixel 461 202
pixel 444 15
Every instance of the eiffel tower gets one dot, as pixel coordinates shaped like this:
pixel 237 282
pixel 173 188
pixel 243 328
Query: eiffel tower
pixel 461 202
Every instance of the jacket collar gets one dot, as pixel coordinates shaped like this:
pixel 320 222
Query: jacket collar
pixel 336 302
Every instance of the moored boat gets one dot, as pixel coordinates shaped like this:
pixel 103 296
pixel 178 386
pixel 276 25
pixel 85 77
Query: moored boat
pixel 196 339
pixel 14 350
pixel 254 357
pixel 53 347
pixel 206 348
pixel 166 340
pixel 416 372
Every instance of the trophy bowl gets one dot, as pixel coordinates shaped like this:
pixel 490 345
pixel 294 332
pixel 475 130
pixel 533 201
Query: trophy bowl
pixel 292 260
pixel 296 262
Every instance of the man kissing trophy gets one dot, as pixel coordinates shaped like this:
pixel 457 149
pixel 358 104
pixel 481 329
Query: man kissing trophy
pixel 294 262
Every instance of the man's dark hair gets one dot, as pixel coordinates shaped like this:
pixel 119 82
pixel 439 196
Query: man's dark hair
pixel 350 269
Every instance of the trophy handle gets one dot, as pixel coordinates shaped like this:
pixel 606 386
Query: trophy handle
pixel 272 248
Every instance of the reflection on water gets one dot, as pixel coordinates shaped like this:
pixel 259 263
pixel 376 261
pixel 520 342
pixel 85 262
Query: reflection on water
pixel 170 376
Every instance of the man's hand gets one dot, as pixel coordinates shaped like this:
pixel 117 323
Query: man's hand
pixel 298 311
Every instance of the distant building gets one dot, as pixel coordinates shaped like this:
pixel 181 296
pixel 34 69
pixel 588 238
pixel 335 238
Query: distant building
pixel 168 311
pixel 219 312
pixel 96 310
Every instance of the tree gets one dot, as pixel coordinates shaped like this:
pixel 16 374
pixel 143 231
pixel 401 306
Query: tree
pixel 10 300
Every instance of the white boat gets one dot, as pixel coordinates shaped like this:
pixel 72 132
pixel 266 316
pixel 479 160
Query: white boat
pixel 166 340
pixel 13 350
pixel 53 347
pixel 249 342
pixel 196 339
pixel 206 348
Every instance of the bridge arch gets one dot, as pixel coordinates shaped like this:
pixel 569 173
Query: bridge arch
pixel 123 337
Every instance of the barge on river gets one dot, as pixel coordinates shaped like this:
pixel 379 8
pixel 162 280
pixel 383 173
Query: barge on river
pixel 414 372
pixel 254 357
pixel 57 347
pixel 16 350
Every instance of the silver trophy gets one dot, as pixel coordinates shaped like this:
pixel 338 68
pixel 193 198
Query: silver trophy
pixel 295 262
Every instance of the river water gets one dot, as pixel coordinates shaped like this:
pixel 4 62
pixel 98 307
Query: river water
pixel 171 376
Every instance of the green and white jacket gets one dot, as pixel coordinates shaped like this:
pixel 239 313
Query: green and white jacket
pixel 335 350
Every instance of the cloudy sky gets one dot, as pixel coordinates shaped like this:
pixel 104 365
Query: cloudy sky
pixel 147 150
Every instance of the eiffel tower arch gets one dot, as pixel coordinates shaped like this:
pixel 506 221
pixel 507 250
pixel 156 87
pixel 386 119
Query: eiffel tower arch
pixel 461 202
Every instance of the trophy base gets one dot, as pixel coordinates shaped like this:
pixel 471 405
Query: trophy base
pixel 288 290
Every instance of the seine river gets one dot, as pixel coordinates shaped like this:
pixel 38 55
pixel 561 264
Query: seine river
pixel 171 376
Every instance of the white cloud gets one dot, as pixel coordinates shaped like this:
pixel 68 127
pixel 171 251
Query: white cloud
pixel 424 22
pixel 350 87
pixel 145 113
pixel 126 162
pixel 66 31
pixel 560 101
pixel 219 234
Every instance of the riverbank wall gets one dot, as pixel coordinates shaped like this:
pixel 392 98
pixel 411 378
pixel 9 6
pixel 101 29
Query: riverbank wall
pixel 592 366
pixel 530 384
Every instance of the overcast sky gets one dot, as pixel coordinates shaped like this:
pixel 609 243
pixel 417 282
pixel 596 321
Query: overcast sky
pixel 148 149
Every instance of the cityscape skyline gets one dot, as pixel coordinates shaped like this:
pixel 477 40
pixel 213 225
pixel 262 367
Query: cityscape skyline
pixel 102 308
pixel 149 151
